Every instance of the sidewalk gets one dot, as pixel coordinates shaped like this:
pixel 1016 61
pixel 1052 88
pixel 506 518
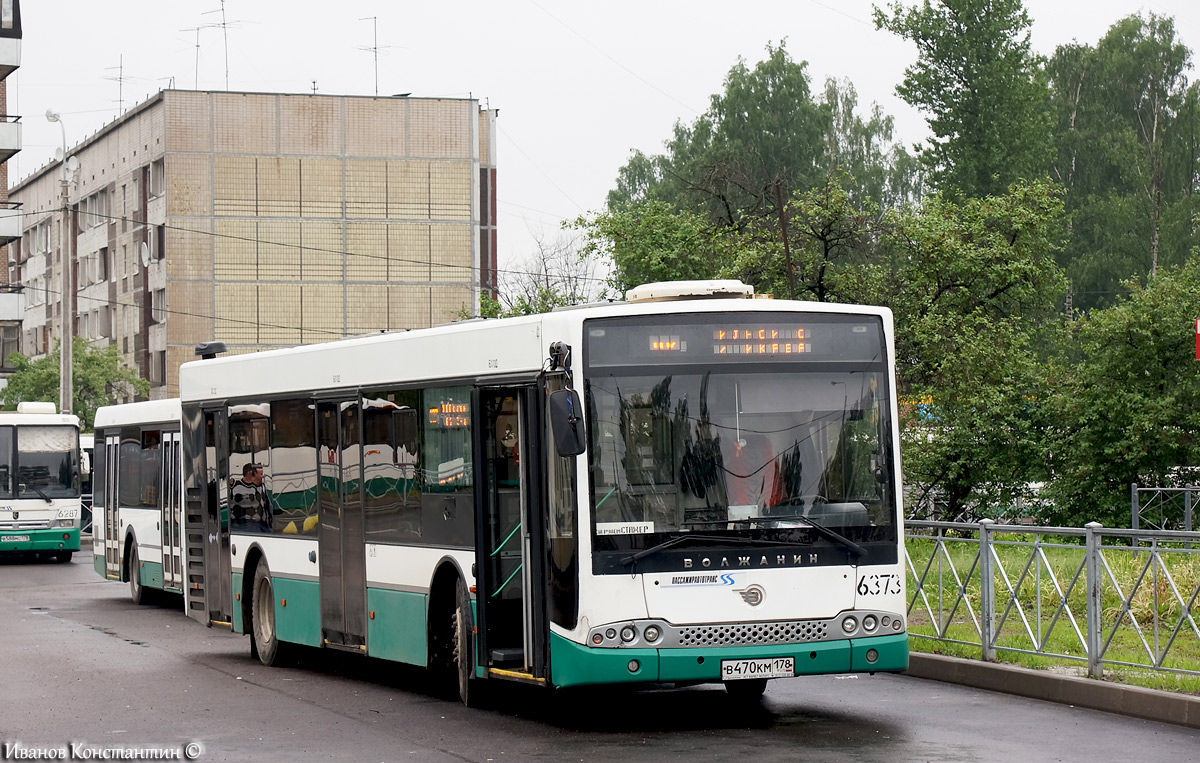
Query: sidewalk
pixel 1135 701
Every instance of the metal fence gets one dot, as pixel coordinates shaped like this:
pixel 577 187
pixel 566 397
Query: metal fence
pixel 1115 598
pixel 1162 508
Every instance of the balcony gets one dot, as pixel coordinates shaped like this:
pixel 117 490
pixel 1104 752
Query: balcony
pixel 10 136
pixel 10 53
pixel 10 221
pixel 12 303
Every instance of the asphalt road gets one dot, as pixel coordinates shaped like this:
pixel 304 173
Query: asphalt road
pixel 80 663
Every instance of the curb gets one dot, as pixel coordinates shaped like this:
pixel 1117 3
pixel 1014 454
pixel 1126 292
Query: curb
pixel 1135 701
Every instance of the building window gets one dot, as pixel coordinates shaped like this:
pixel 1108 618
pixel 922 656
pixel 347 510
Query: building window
pixel 157 178
pixel 158 305
pixel 102 264
pixel 10 342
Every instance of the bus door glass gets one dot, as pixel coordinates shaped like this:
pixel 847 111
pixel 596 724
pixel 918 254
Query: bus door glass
pixel 219 565
pixel 340 539
pixel 505 533
pixel 112 522
pixel 172 512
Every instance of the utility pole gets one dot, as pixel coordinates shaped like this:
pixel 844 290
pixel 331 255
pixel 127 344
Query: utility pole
pixel 67 334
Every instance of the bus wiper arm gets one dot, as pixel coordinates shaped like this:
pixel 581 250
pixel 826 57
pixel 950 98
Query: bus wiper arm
pixel 832 535
pixel 681 539
pixel 43 495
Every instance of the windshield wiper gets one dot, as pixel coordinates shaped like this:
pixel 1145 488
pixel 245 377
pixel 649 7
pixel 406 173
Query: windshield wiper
pixel 43 495
pixel 832 535
pixel 681 539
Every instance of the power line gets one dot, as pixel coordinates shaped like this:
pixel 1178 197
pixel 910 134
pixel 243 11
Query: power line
pixel 117 303
pixel 604 53
pixel 303 247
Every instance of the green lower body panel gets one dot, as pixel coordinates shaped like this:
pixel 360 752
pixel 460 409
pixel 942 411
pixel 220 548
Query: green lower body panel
pixel 574 664
pixel 396 626
pixel 98 564
pixel 892 653
pixel 150 574
pixel 40 541
pixel 238 625
pixel 297 611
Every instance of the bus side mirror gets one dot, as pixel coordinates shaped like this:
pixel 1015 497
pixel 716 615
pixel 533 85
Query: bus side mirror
pixel 566 421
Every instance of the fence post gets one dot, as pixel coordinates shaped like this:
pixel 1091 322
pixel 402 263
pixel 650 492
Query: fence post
pixel 1187 508
pixel 987 592
pixel 1135 514
pixel 1094 580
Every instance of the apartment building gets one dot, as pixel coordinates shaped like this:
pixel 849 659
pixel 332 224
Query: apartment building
pixel 261 220
pixel 12 304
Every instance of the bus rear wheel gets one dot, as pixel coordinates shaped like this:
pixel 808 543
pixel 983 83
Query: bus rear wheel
pixel 264 640
pixel 137 591
pixel 63 556
pixel 749 689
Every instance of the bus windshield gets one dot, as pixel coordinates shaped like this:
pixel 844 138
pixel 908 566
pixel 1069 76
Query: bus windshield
pixel 47 462
pixel 738 425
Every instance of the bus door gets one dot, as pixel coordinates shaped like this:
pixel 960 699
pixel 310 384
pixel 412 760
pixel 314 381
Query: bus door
pixel 172 512
pixel 340 538
pixel 112 521
pixel 218 563
pixel 509 592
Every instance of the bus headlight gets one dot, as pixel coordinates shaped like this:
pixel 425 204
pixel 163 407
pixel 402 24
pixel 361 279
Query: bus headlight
pixel 870 623
pixel 628 633
pixel 652 633
pixel 850 624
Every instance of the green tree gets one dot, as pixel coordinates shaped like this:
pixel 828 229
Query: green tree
pixel 974 287
pixel 1127 154
pixel 1129 409
pixel 762 139
pixel 979 81
pixel 652 241
pixel 98 373
pixel 829 236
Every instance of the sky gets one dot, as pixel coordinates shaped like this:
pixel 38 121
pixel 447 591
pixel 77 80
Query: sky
pixel 578 84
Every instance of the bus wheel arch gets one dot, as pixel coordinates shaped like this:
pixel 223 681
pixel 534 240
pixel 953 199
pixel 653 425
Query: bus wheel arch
pixel 260 622
pixel 450 624
pixel 253 559
pixel 131 566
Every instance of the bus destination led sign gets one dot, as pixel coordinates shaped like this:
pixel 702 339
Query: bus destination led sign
pixel 450 415
pixel 762 340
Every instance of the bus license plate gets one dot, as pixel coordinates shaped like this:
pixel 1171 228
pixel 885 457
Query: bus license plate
pixel 776 667
pixel 15 538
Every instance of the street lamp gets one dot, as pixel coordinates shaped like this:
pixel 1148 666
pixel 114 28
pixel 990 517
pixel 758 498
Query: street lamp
pixel 67 335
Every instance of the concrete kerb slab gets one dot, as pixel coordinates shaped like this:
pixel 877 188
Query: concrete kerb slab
pixel 1135 701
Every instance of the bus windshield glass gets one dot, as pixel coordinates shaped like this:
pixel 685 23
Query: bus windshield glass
pixel 742 424
pixel 47 462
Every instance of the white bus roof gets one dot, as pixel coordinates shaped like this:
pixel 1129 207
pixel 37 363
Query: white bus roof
pixel 133 414
pixel 456 351
pixel 11 419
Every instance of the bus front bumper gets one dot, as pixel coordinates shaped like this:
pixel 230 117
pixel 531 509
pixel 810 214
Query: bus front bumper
pixel 40 541
pixel 573 664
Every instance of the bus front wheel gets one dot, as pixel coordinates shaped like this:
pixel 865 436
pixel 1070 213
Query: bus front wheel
pixel 464 647
pixel 264 640
pixel 749 689
pixel 63 556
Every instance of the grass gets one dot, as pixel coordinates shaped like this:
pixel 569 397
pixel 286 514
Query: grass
pixel 1046 581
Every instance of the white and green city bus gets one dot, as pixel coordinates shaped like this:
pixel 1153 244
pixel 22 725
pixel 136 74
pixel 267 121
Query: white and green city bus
pixel 39 482
pixel 690 486
pixel 137 534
